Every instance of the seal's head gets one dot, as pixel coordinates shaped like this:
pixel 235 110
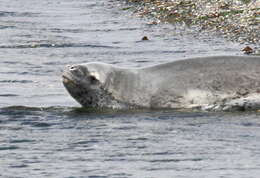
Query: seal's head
pixel 86 84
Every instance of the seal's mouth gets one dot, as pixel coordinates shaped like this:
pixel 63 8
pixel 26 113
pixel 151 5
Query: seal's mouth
pixel 65 79
pixel 68 80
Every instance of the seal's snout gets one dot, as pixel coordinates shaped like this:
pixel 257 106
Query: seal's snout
pixel 77 70
pixel 71 68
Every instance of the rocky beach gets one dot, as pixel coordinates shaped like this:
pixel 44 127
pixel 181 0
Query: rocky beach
pixel 236 20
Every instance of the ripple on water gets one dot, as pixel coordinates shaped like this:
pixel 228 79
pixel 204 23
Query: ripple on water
pixel 8 95
pixel 19 166
pixel 33 116
pixel 175 160
pixel 21 141
pixel 41 124
pixel 16 81
pixel 54 45
pixel 6 27
pixel 18 14
pixel 3 148
pixel 85 142
pixel 19 110
pixel 137 139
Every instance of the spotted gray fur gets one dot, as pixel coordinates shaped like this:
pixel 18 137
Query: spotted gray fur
pixel 210 83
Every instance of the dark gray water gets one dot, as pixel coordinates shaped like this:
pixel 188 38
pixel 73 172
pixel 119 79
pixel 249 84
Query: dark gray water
pixel 43 131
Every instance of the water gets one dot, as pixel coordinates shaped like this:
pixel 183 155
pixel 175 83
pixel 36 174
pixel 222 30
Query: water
pixel 43 131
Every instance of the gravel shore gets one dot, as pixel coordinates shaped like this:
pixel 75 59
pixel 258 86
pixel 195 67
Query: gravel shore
pixel 237 20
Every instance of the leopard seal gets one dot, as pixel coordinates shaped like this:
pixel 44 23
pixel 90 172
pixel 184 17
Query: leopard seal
pixel 208 83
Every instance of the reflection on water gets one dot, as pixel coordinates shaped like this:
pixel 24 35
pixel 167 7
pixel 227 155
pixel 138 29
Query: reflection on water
pixel 44 133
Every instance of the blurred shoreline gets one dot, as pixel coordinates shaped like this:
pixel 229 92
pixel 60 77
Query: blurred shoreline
pixel 236 20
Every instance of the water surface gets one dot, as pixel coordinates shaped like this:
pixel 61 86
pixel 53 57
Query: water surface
pixel 44 133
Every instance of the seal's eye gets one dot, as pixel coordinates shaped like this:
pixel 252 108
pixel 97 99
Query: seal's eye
pixel 72 67
pixel 92 79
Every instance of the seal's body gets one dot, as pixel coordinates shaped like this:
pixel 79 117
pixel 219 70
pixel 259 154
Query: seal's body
pixel 222 82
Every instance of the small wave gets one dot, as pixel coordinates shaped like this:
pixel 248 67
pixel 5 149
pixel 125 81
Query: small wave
pixel 86 142
pixel 21 141
pixel 112 30
pixel 21 111
pixel 57 30
pixel 3 148
pixel 142 61
pixel 19 166
pixel 175 160
pixel 6 26
pixel 28 108
pixel 137 139
pixel 37 124
pixel 17 14
pixel 8 95
pixel 16 81
pixel 50 45
pixel 9 62
pixel 18 111
pixel 142 52
pixel 54 63
pixel 161 153
pixel 92 113
pixel 20 62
